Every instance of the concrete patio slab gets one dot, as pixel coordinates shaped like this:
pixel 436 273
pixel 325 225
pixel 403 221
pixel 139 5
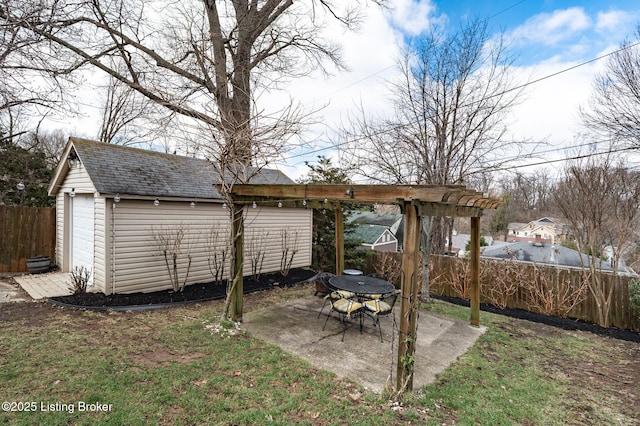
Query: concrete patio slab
pixel 11 293
pixel 361 357
pixel 50 284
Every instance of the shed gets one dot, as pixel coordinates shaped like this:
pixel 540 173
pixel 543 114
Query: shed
pixel 377 231
pixel 112 200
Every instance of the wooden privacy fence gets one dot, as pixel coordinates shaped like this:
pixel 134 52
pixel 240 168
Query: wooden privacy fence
pixel 536 288
pixel 25 232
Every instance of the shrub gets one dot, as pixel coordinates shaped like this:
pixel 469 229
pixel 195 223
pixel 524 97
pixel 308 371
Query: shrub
pixel 80 279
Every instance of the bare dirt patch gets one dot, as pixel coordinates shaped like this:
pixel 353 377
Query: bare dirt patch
pixel 604 374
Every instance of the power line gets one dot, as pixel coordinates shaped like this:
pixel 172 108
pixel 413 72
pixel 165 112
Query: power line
pixel 375 74
pixel 546 162
pixel 338 145
pixel 505 9
pixel 564 148
pixel 522 86
pixel 392 66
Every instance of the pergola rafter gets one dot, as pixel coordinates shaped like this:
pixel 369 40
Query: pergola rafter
pixel 416 201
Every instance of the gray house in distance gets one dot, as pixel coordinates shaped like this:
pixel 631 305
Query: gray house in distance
pixel 377 231
pixel 549 254
pixel 111 200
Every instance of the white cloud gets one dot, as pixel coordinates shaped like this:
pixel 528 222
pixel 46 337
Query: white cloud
pixel 370 55
pixel 550 111
pixel 612 20
pixel 412 16
pixel 608 21
pixel 551 28
pixel 616 24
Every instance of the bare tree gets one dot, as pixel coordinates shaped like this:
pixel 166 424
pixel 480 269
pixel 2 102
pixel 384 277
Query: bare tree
pixel 13 80
pixel 200 59
pixel 600 201
pixel 529 194
pixel 122 113
pixel 614 109
pixel 204 61
pixel 50 142
pixel 449 124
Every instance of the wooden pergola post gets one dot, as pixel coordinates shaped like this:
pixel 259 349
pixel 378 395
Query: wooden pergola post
pixel 339 216
pixel 237 284
pixel 409 298
pixel 474 263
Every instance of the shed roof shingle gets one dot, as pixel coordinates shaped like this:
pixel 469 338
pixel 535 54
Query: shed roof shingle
pixel 125 170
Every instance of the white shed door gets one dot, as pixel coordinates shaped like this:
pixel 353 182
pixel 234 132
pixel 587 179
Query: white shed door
pixel 82 233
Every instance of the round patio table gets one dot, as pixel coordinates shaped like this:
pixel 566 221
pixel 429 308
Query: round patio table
pixel 361 284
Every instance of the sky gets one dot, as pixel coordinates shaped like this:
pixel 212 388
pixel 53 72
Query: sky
pixel 551 40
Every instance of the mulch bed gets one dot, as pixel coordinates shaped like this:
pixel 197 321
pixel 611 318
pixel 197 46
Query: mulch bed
pixel 563 323
pixel 191 293
pixel 212 291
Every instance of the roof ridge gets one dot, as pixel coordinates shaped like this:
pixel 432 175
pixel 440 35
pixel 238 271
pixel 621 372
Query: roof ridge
pixel 75 140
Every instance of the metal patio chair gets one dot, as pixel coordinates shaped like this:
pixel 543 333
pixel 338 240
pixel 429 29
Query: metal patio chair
pixel 376 308
pixel 346 308
pixel 331 295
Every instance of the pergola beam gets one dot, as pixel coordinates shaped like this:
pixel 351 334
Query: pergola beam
pixel 355 193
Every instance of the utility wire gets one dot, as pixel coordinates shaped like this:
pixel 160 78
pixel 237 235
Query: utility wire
pixel 576 157
pixel 338 145
pixel 505 9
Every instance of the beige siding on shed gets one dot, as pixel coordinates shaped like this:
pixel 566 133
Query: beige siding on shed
pixel 268 224
pixel 60 225
pixel 139 264
pixel 99 251
pixel 79 180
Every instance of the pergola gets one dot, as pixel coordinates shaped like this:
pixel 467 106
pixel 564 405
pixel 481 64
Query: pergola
pixel 415 201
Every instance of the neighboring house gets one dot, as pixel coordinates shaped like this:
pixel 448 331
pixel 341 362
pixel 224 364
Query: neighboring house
pixel 459 244
pixel 542 231
pixel 556 255
pixel 377 231
pixel 111 200
pixel 375 237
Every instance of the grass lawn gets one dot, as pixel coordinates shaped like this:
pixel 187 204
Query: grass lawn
pixel 181 366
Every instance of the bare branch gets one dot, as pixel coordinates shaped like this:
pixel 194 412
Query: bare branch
pixel 613 110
